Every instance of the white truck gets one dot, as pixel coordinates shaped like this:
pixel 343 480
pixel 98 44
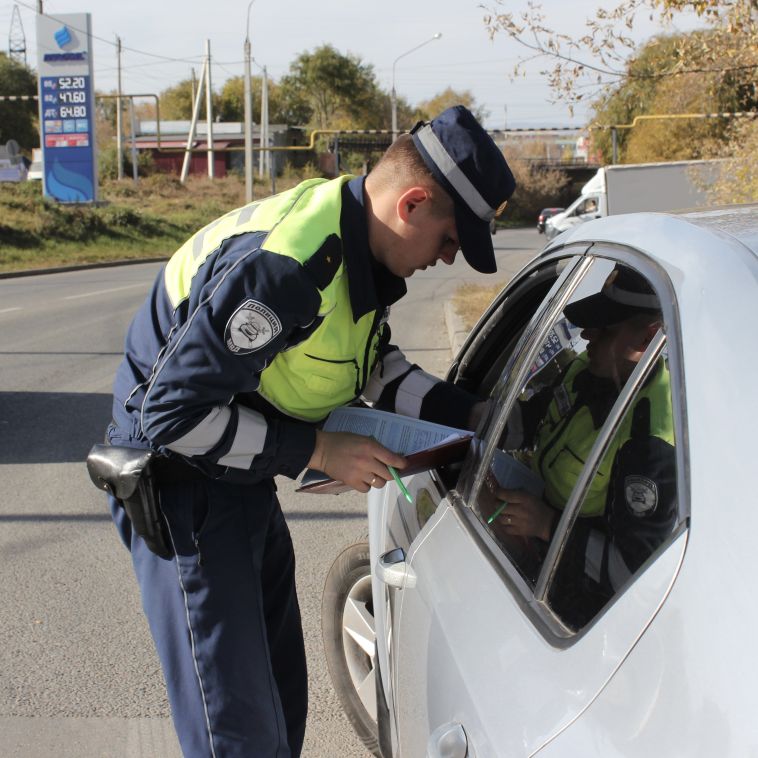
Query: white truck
pixel 638 187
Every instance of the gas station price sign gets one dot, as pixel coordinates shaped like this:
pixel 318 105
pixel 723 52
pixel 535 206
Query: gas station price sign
pixel 66 98
pixel 66 111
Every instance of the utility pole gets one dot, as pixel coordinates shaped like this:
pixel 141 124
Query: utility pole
pixel 247 84
pixel 135 173
pixel 248 126
pixel 193 125
pixel 39 7
pixel 119 132
pixel 265 154
pixel 209 107
pixel 193 84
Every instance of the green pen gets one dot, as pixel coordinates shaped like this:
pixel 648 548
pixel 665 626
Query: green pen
pixel 497 512
pixel 400 484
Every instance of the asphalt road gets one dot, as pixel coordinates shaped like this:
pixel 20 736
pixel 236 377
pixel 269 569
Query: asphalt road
pixel 78 675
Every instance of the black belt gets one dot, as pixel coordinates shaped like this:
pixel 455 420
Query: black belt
pixel 171 470
pixel 176 471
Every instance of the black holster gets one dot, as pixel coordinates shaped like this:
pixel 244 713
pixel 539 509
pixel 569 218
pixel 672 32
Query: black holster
pixel 129 475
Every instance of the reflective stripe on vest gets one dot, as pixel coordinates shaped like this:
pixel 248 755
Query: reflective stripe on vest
pixel 559 460
pixel 331 367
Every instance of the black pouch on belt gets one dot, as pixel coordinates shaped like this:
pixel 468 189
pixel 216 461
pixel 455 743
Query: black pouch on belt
pixel 129 475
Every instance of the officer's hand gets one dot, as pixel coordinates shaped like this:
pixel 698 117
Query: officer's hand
pixel 361 462
pixel 525 515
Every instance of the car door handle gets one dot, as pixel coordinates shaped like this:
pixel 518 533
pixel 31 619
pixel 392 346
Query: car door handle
pixel 393 570
pixel 447 741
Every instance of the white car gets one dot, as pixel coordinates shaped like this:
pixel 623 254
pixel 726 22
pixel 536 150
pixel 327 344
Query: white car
pixel 448 636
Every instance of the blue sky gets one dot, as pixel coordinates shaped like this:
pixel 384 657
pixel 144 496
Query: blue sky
pixel 463 58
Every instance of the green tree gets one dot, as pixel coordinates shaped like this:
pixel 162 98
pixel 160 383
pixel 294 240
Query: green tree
pixel 706 71
pixel 428 109
pixel 331 90
pixel 738 178
pixel 643 93
pixel 232 103
pixel 585 64
pixel 105 122
pixel 18 118
pixel 536 187
pixel 176 102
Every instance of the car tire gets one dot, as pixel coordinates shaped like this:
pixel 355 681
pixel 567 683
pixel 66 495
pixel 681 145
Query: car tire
pixel 347 628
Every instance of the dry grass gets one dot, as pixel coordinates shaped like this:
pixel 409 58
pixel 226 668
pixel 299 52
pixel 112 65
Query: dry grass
pixel 471 300
pixel 148 220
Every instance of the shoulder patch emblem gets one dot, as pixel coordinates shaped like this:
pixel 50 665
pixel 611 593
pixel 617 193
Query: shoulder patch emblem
pixel 641 495
pixel 251 326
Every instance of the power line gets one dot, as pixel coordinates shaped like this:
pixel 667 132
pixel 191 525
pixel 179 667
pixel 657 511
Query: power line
pixel 194 59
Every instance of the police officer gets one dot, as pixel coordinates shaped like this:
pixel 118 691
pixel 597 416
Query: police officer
pixel 260 325
pixel 630 504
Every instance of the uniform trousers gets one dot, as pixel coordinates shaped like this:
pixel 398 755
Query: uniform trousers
pixel 225 619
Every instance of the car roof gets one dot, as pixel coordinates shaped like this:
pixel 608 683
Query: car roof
pixel 738 221
pixel 672 238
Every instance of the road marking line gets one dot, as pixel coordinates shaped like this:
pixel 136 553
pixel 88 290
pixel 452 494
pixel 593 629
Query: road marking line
pixel 8 310
pixel 104 292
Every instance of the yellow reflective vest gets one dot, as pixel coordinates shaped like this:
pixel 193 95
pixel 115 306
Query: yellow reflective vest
pixel 332 366
pixel 564 439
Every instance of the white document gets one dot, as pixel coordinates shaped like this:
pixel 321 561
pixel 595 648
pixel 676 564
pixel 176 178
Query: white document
pixel 401 434
pixel 514 475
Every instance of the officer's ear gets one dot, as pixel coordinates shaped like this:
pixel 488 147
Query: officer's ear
pixel 410 201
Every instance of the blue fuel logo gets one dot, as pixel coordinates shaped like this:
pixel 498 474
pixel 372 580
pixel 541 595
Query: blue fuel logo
pixel 62 36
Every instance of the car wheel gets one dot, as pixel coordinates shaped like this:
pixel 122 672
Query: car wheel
pixel 347 627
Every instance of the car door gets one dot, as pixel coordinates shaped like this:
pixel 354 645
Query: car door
pixel 393 523
pixel 482 663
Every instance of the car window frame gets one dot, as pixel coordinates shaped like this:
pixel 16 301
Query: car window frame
pixel 533 600
pixel 483 446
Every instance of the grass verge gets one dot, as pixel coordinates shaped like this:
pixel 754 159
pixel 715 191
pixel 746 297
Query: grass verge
pixel 471 300
pixel 148 220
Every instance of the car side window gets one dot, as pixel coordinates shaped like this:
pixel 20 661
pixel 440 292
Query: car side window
pixel 516 461
pixel 628 510
pixel 592 384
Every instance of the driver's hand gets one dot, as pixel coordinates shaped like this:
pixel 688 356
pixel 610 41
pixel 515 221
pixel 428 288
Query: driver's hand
pixel 525 515
pixel 358 461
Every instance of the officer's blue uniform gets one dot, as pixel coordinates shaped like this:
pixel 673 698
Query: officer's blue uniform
pixel 243 654
pixel 224 612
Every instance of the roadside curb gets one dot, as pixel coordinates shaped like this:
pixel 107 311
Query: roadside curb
pixel 456 330
pixel 78 267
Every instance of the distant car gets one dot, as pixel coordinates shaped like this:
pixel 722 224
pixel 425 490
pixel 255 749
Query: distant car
pixel 446 635
pixel 545 214
pixel 12 166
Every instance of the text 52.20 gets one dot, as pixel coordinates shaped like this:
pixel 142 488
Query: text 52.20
pixel 70 82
